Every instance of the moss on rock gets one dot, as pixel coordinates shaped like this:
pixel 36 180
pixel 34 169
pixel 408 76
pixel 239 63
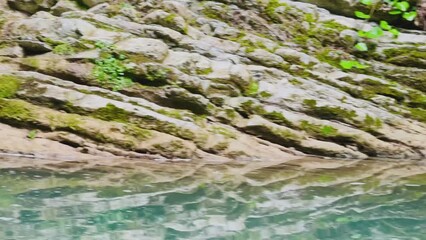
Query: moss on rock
pixel 112 113
pixel 64 49
pixel 9 85
pixel 328 112
pixel 409 57
pixel 320 131
pixel 278 118
pixel 15 110
pixel 418 114
pixel 137 132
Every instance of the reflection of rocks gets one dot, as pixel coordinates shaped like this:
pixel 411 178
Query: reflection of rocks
pixel 300 198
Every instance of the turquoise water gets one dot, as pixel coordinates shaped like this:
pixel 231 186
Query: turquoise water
pixel 145 200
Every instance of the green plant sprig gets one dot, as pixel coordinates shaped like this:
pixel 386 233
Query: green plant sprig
pixel 397 7
pixel 110 70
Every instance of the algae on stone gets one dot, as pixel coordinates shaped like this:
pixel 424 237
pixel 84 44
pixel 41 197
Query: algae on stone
pixel 9 85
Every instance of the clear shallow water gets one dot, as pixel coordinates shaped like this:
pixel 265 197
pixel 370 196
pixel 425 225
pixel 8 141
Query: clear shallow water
pixel 145 200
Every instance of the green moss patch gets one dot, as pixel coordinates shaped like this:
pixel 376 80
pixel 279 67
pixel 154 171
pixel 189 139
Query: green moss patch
pixel 68 122
pixel 12 110
pixel 9 85
pixel 249 107
pixel 327 112
pixel 215 12
pixel 409 57
pixel 112 113
pixel 278 118
pixel 252 89
pixel 63 49
pixel 416 99
pixel 251 45
pixel 371 124
pixel 322 131
pixel 138 133
pixel 418 114
pixel 372 87
pixel 270 10
pixel 223 131
pixel 204 71
pixel 156 75
pixel 278 135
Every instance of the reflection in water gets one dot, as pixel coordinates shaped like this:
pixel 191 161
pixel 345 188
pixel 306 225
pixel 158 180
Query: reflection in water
pixel 146 200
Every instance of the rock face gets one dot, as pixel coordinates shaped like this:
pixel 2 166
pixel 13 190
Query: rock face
pixel 147 48
pixel 253 80
pixel 31 6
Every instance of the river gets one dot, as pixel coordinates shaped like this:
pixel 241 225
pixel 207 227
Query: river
pixel 143 199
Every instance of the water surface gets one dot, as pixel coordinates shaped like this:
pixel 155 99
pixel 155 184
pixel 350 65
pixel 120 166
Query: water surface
pixel 135 199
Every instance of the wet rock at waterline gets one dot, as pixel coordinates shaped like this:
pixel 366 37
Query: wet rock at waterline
pixel 202 80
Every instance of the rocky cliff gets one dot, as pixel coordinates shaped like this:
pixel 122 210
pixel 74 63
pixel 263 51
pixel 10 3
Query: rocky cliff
pixel 220 80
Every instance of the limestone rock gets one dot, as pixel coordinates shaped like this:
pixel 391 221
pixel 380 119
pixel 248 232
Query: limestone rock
pixel 145 48
pixel 12 51
pixel 249 80
pixel 292 55
pixel 102 8
pixel 266 58
pixel 50 29
pixel 64 6
pixel 185 100
pixel 188 62
pixel 35 46
pixel 91 3
pixel 166 19
pixel 31 6
pixel 91 54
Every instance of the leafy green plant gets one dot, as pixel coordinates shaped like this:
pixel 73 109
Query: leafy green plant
pixel 111 72
pixel 397 7
pixel 362 15
pixel 349 64
pixel 110 69
pixel 32 134
pixel 103 45
pixel 402 8
pixel 373 33
pixel 361 47
pixel 63 49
